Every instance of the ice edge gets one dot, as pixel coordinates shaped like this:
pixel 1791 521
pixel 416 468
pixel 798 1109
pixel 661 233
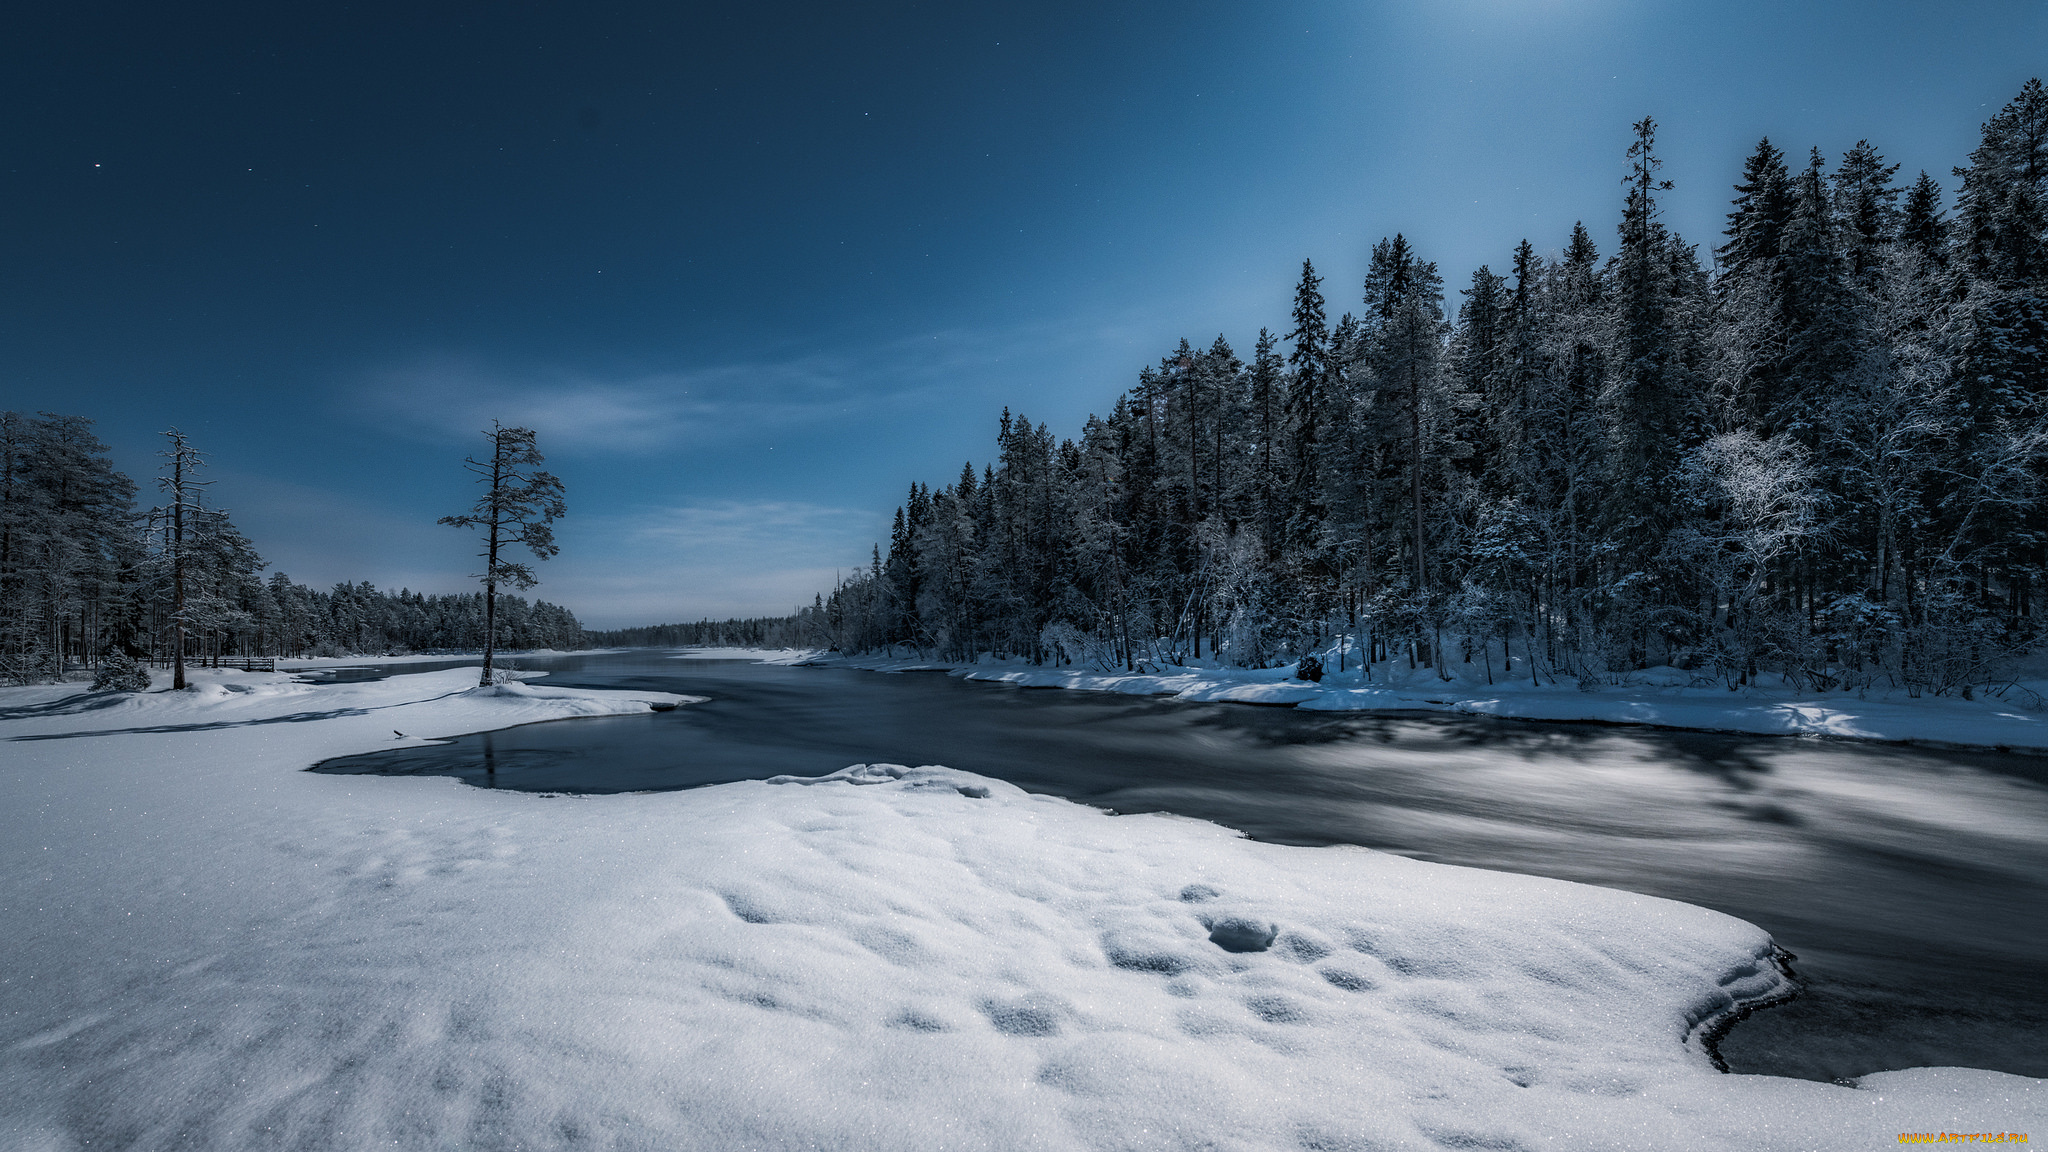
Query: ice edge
pixel 1766 982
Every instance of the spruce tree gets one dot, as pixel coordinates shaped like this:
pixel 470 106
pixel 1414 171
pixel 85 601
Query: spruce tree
pixel 1814 315
pixel 1216 391
pixel 1749 289
pixel 1308 378
pixel 1476 356
pixel 1646 394
pixel 1267 405
pixel 2000 237
pixel 2002 211
pixel 1404 302
pixel 1865 207
pixel 1513 385
pixel 1763 206
pixel 1923 226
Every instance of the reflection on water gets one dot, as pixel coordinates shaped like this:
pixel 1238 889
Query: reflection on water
pixel 1909 882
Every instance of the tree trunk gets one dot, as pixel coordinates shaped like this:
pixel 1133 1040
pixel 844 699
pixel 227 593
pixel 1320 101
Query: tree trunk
pixel 491 563
pixel 178 573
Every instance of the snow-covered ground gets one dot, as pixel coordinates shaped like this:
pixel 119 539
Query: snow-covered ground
pixel 207 948
pixel 500 658
pixel 1665 697
pixel 762 655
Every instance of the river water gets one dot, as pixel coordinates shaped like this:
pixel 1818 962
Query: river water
pixel 1910 883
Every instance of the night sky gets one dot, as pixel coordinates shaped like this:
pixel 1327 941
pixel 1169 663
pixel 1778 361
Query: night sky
pixel 749 270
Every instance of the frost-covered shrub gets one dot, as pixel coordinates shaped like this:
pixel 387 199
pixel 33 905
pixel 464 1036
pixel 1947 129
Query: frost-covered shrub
pixel 121 674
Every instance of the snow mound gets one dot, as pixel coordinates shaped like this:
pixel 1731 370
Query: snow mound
pixel 758 655
pixel 208 948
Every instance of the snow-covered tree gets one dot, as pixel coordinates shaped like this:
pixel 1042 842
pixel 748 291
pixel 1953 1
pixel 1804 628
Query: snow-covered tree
pixel 1824 458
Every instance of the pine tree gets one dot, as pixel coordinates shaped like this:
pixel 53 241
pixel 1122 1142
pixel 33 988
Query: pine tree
pixel 180 521
pixel 67 547
pixel 24 522
pixel 518 506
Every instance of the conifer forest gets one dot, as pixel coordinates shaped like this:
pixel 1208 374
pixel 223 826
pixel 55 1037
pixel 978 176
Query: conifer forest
pixel 87 579
pixel 1815 450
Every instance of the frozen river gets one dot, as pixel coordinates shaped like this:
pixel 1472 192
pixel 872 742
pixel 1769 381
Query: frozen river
pixel 1909 882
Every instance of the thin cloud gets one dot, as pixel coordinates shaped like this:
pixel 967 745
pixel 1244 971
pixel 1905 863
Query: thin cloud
pixel 632 414
pixel 582 409
pixel 713 559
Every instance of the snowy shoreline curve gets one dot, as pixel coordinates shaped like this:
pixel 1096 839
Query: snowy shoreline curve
pixel 1659 698
pixel 208 947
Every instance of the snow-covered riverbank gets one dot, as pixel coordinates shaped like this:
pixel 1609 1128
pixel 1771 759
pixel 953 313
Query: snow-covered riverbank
pixel 1666 698
pixel 209 948
pixel 501 659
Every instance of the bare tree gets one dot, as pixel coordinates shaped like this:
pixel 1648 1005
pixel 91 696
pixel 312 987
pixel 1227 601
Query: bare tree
pixel 516 508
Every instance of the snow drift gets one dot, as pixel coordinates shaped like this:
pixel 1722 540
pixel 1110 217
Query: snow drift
pixel 207 948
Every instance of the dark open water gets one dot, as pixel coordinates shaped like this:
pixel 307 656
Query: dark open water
pixel 1911 883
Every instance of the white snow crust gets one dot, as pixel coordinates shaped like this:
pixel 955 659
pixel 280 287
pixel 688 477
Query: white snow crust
pixel 1662 697
pixel 206 948
pixel 303 663
pixel 758 655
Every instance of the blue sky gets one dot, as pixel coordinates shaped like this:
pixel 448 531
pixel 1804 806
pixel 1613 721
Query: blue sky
pixel 751 272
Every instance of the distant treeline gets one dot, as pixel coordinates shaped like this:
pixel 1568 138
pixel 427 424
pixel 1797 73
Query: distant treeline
pixel 360 618
pixel 84 575
pixel 760 632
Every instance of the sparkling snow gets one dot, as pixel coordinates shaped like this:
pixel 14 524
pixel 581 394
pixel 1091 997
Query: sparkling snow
pixel 207 948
